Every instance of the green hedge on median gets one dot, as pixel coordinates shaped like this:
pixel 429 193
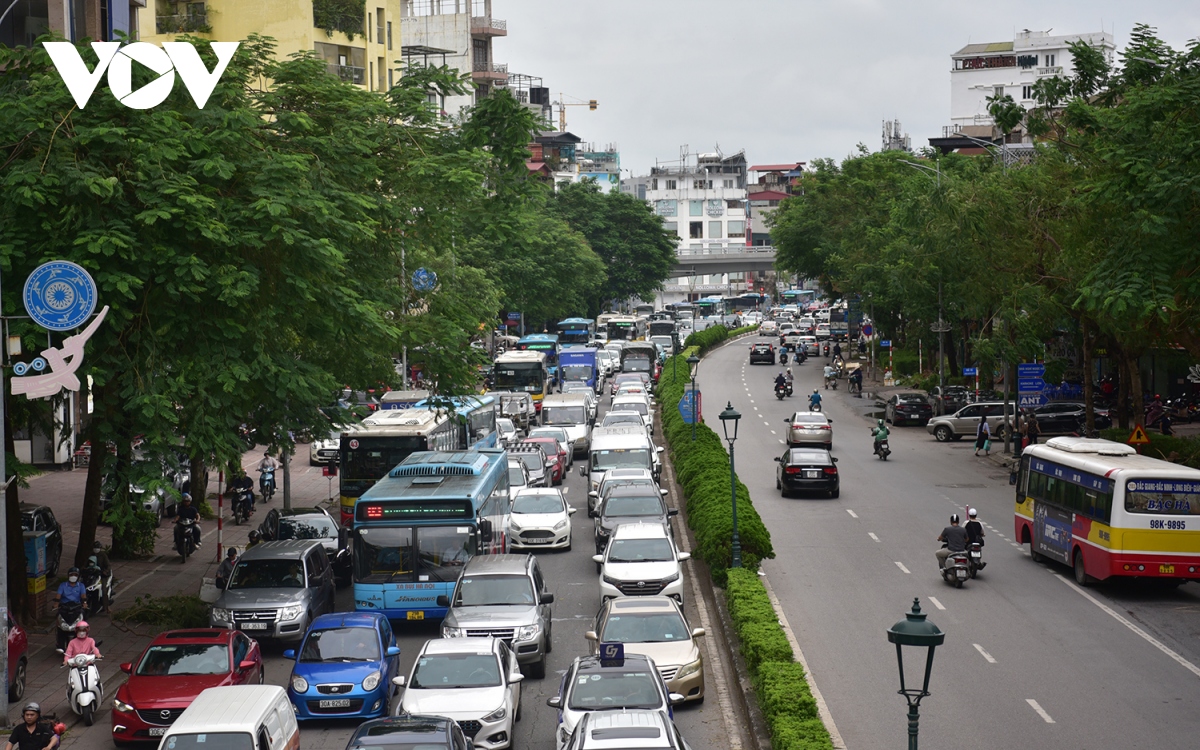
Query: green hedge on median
pixel 779 683
pixel 713 335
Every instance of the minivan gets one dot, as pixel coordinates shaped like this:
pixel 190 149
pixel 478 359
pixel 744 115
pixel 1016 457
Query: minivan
pixel 570 412
pixel 276 590
pixel 236 717
pixel 620 448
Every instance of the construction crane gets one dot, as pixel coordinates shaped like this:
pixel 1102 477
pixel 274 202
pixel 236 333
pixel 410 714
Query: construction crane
pixel 562 105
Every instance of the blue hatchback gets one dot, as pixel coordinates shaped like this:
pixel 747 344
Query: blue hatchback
pixel 344 667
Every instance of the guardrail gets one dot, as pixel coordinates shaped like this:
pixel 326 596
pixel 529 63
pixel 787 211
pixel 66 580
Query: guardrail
pixel 183 24
pixel 485 24
pixel 348 73
pixel 725 249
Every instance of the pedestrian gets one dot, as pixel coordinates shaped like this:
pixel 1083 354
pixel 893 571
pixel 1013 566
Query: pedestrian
pixel 1032 430
pixel 225 569
pixel 1022 433
pixel 32 733
pixel 983 437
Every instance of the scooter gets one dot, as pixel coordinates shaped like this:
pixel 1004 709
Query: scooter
pixel 783 357
pixel 266 484
pixel 185 538
pixel 69 614
pixel 975 557
pixel 243 506
pixel 780 391
pixel 99 588
pixel 85 693
pixel 957 570
pixel 825 349
pixel 882 450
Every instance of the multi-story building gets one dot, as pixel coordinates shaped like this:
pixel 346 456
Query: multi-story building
pixel 364 55
pixel 770 184
pixel 461 33
pixel 25 20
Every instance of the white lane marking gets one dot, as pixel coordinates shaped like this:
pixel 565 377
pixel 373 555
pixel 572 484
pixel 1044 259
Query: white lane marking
pixel 1014 544
pixel 900 565
pixel 1146 636
pixel 781 440
pixel 773 432
pixel 984 654
pixel 1040 711
pixel 936 603
pixel 872 535
pixel 852 513
pixel 752 401
pixel 768 424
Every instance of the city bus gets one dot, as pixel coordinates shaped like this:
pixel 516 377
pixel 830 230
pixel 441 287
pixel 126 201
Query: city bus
pixel 644 311
pixel 1105 511
pixel 546 343
pixel 800 297
pixel 524 372
pixel 475 417
pixel 626 328
pixel 419 525
pixel 576 331
pixel 662 328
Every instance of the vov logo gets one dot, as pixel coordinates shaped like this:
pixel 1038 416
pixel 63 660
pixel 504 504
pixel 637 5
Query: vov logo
pixel 172 58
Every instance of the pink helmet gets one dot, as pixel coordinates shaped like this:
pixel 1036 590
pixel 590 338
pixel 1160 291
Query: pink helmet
pixel 82 625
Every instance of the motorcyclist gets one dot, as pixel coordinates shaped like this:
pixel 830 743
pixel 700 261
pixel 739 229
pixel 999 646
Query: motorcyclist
pixel 880 433
pixel 242 483
pixel 973 527
pixel 789 377
pixel 266 464
pixel 814 401
pixel 225 569
pixel 255 538
pixel 82 643
pixel 72 590
pixel 856 380
pixel 830 374
pixel 33 733
pixel 188 511
pixel 780 381
pixel 955 537
pixel 101 556
pixel 837 349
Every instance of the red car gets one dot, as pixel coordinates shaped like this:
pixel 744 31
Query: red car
pixel 553 449
pixel 172 671
pixel 18 644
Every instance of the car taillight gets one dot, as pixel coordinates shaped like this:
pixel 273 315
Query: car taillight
pixel 824 427
pixel 830 470
pixel 792 470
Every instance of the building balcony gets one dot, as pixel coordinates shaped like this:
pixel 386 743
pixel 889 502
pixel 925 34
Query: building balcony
pixel 487 26
pixel 192 23
pixel 490 72
pixel 1047 72
pixel 348 73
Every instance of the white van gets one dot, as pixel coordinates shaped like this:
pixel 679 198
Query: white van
pixel 571 412
pixel 237 717
pixel 620 448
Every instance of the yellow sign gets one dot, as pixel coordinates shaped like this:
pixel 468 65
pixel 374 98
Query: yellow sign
pixel 1138 436
pixel 416 615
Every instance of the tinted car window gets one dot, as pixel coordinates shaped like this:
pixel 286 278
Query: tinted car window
pixel 809 457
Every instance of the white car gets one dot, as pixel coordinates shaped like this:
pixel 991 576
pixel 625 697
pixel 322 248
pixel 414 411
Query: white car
pixel 638 402
pixel 541 519
pixel 506 430
pixel 593 687
pixel 589 393
pixel 624 417
pixel 474 681
pixel 641 560
pixel 561 435
pixel 635 389
pixel 325 450
pixel 822 331
pixel 518 477
pixel 612 730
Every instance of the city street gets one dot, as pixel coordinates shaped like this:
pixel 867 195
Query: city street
pixel 1029 656
pixel 571 575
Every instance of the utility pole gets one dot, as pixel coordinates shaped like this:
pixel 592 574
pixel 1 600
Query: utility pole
pixel 287 479
pixel 940 328
pixel 3 560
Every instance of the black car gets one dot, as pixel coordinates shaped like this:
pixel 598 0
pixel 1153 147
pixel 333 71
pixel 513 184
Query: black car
pixel 762 353
pixel 1066 417
pixel 630 504
pixel 948 400
pixel 807 470
pixel 907 407
pixel 282 525
pixel 410 731
pixel 41 518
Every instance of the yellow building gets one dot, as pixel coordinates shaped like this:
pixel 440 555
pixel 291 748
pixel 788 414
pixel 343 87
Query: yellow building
pixel 368 59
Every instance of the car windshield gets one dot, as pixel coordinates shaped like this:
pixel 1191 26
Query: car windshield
pixel 910 398
pixel 810 457
pixel 616 417
pixel 516 476
pixel 504 424
pixel 635 406
pixel 485 591
pixel 611 690
pixel 640 550
pixel 267 574
pixel 563 415
pixel 184 659
pixel 538 503
pixel 341 644
pixel 549 447
pixel 656 627
pixel 615 459
pixel 412 734
pixel 633 505
pixel 211 741
pixel 808 419
pixel 447 671
pixel 577 372
pixel 307 527
pixel 534 461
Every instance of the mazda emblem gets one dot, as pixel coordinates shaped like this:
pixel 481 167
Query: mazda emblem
pixel 165 713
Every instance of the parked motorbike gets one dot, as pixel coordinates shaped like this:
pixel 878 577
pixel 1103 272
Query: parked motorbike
pixel 69 613
pixel 957 570
pixel 99 588
pixel 185 537
pixel 266 484
pixel 242 504
pixel 85 693
pixel 882 450
pixel 975 558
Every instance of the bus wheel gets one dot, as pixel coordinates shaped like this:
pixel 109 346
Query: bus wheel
pixel 1081 576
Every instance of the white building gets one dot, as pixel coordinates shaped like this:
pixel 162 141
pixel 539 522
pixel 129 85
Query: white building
pixel 457 33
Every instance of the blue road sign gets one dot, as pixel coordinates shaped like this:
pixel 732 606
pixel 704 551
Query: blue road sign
pixel 689 406
pixel 1030 385
pixel 970 371
pixel 60 295
pixel 1031 370
pixel 886 343
pixel 867 330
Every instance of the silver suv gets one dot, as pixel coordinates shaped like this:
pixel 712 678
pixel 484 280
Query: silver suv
pixel 276 589
pixel 965 421
pixel 505 597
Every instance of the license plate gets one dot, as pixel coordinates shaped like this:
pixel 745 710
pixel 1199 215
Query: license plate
pixel 253 626
pixel 535 541
pixel 157 731
pixel 962 573
pixel 417 615
pixel 334 703
pixel 1166 569
pixel 811 474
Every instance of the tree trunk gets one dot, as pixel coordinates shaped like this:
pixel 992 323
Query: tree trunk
pixel 18 592
pixel 1137 404
pixel 198 481
pixel 91 495
pixel 952 368
pixel 1089 407
pixel 1122 388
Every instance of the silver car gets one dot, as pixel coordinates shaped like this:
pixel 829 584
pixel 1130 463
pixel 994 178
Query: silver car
pixel 809 428
pixel 276 590
pixel 965 421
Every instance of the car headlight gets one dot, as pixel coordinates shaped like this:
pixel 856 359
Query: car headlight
pixel 689 669
pixel 222 615
pixel 527 632
pixel 671 578
pixel 514 525
pixel 299 684
pixel 123 707
pixel 448 632
pixel 290 613
pixel 602 531
pixel 550 462
pixel 612 581
pixel 560 525
pixel 372 681
pixel 496 715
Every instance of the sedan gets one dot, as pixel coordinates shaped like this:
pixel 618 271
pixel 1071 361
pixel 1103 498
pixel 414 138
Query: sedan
pixel 553 450
pixel 558 433
pixel 540 518
pixel 811 427
pixel 1066 417
pixel 325 450
pixel 345 667
pixel 172 671
pixel 948 400
pixel 811 346
pixel 654 626
pixel 403 732
pixel 762 353
pixel 506 430
pixel 807 470
pixel 475 681
pixel 907 407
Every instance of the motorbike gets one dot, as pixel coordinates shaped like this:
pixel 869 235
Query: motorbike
pixel 266 484
pixel 783 357
pixel 882 450
pixel 958 568
pixel 814 406
pixel 69 614
pixel 781 390
pixel 975 558
pixel 99 588
pixel 185 537
pixel 85 693
pixel 242 504
pixel 825 349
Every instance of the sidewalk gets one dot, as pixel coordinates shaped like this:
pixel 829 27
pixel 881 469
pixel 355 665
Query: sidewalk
pixel 160 575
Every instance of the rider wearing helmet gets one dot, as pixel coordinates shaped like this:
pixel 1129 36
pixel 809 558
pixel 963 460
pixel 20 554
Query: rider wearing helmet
pixel 32 733
pixel 814 401
pixel 82 643
pixel 973 527
pixel 255 538
pixel 780 381
pixel 72 590
pixel 188 511
pixel 955 537
pixel 880 432
pixel 788 375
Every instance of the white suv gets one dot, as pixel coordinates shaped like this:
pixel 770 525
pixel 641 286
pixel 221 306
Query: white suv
pixel 641 560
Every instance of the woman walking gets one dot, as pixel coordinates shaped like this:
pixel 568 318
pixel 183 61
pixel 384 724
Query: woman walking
pixel 983 438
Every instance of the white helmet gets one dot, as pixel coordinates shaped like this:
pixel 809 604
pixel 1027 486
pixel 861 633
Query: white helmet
pixel 972 512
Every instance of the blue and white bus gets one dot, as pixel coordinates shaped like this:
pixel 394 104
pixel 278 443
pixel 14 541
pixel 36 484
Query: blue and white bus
pixel 419 525
pixel 576 331
pixel 546 343
pixel 475 417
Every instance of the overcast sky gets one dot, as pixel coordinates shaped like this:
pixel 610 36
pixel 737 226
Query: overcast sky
pixel 787 80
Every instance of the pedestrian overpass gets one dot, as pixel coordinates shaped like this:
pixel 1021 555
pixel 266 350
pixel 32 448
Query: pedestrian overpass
pixel 718 258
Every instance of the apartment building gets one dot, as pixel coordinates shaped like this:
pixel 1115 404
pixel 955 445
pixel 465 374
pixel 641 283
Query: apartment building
pixel 23 21
pixel 459 34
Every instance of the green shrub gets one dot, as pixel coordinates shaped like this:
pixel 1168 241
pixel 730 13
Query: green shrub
pixel 1180 450
pixel 164 613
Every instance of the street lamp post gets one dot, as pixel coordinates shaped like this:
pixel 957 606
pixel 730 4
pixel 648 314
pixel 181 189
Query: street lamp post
pixel 693 362
pixel 914 630
pixel 731 415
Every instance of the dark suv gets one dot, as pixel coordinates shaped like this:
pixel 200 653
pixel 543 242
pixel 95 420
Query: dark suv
pixel 947 400
pixel 630 504
pixel 282 525
pixel 907 407
pixel 762 353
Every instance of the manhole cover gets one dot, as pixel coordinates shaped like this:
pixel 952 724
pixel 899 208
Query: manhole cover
pixel 962 486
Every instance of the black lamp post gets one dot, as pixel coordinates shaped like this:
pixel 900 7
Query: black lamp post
pixel 693 362
pixel 731 415
pixel 918 632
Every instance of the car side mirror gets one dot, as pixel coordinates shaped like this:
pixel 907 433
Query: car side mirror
pixel 778 459
pixel 787 421
pixel 583 471
pixel 659 449
pixel 515 677
pixel 676 699
pixel 685 556
pixel 598 558
pixel 290 654
pixel 697 632
pixel 547 598
pixel 245 664
pixel 127 667
pixel 393 651
pixel 555 702
pixel 485 531
pixel 443 600
pixel 591 635
pixel 663 493
pixel 570 511
pixel 834 459
pixel 398 680
pixel 672 512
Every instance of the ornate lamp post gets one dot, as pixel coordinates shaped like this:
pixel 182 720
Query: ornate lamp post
pixel 731 415
pixel 917 632
pixel 693 365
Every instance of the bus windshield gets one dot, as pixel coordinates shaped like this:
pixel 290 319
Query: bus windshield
pixel 374 457
pixel 520 377
pixel 387 554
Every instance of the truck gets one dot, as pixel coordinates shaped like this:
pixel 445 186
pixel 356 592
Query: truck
pixel 578 364
pixel 640 356
pixel 839 324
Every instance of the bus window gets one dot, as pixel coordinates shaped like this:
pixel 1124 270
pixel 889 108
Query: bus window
pixel 383 555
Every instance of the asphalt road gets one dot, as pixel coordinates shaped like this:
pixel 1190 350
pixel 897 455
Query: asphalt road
pixel 1030 659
